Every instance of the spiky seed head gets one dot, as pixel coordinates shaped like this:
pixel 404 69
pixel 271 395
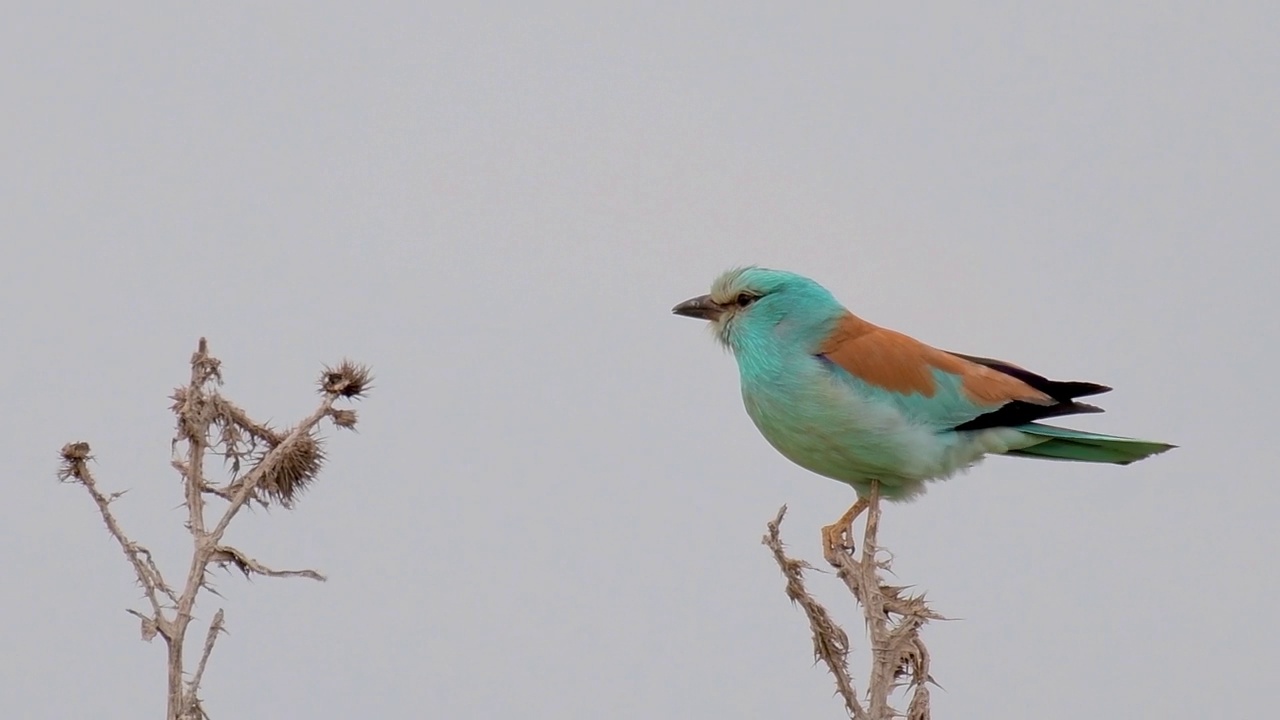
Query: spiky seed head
pixel 343 418
pixel 294 465
pixel 348 379
pixel 75 451
pixel 74 456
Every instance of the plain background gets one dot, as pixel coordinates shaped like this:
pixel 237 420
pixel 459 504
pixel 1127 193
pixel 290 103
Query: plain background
pixel 554 503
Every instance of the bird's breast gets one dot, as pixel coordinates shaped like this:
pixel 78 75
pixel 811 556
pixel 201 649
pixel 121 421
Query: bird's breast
pixel 825 425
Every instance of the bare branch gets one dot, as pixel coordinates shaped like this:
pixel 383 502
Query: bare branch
pixel 284 464
pixel 830 643
pixel 75 468
pixel 224 493
pixel 215 628
pixel 227 555
pixel 154 570
pixel 232 416
pixel 195 415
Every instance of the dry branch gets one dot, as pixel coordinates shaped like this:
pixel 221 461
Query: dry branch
pixel 830 642
pixel 75 468
pixel 899 658
pixel 226 555
pixel 281 465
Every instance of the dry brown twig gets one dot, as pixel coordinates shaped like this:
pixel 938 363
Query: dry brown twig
pixel 899 658
pixel 278 466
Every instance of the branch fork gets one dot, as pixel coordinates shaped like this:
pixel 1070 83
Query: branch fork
pixel 281 464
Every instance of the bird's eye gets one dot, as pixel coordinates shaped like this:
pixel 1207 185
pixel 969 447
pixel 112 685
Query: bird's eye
pixel 745 299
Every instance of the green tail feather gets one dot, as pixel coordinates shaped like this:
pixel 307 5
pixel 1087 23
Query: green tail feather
pixel 1080 446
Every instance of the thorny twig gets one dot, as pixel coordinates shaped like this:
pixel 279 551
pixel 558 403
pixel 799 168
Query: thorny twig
pixel 75 468
pixel 224 555
pixel 215 628
pixel 282 465
pixel 830 643
pixel 899 657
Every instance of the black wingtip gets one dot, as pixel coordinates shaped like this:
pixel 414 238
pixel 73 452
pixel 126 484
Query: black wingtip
pixel 1075 388
pixel 1060 390
pixel 1063 392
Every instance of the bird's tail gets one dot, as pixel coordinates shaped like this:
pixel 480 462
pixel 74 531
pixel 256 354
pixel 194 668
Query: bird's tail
pixel 1077 445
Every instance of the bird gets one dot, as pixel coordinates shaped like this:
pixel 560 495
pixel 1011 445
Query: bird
pixel 879 410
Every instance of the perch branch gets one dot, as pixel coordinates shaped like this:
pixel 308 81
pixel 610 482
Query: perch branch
pixel 830 642
pixel 893 618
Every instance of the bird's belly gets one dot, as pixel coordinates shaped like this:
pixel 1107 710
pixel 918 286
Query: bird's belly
pixel 827 428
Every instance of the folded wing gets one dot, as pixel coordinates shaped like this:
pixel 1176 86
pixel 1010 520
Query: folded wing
pixel 948 390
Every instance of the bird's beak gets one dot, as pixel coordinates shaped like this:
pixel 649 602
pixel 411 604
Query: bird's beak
pixel 701 307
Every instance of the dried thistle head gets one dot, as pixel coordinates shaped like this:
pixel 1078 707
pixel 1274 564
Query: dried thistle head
pixel 188 427
pixel 74 456
pixel 179 398
pixel 348 379
pixel 345 419
pixel 294 464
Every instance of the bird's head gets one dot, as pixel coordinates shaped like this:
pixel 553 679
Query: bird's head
pixel 755 305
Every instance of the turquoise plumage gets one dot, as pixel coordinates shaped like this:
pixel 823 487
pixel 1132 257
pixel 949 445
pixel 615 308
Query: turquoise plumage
pixel 855 402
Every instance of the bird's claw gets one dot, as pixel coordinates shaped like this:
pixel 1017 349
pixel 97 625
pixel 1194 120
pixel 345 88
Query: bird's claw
pixel 837 538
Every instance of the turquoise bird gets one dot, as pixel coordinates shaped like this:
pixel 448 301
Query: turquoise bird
pixel 858 403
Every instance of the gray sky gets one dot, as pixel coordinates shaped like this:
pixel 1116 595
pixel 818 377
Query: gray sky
pixel 554 505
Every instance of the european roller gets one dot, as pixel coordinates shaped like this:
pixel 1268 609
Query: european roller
pixel 856 402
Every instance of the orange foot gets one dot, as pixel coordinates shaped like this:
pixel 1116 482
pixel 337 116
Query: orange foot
pixel 838 536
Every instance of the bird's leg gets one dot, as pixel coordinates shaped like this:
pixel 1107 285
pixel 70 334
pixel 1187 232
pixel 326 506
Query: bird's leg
pixel 838 536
